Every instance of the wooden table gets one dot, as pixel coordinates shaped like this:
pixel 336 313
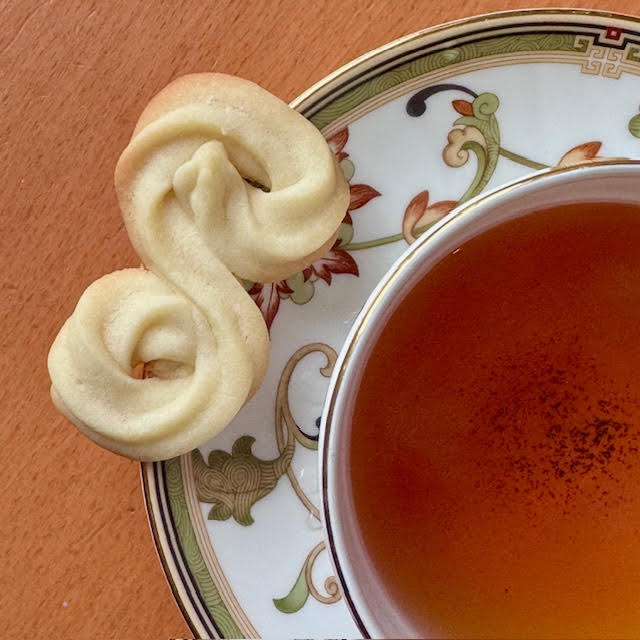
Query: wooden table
pixel 77 555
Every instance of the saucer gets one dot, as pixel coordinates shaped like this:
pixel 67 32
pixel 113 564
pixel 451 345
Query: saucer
pixel 418 126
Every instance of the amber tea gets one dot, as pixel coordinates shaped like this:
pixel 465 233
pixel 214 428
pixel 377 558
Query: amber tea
pixel 496 432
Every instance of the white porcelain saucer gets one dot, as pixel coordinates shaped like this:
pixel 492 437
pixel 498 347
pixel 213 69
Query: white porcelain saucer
pixel 419 125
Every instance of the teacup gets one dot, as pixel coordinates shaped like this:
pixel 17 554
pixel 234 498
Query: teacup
pixel 375 606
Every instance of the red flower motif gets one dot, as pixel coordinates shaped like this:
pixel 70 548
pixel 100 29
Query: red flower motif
pixel 267 297
pixel 419 213
pixel 463 107
pixel 360 195
pixel 583 154
pixel 336 143
pixel 337 260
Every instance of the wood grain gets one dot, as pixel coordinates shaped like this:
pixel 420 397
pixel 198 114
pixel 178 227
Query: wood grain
pixel 77 556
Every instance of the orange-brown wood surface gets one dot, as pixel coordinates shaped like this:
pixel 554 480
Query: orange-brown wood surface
pixel 77 558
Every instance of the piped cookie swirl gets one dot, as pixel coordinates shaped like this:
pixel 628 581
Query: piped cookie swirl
pixel 220 180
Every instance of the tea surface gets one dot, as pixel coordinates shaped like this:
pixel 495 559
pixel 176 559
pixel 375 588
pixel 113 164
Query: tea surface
pixel 496 434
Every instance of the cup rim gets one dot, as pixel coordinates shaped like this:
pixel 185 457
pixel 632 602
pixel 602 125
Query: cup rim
pixel 361 327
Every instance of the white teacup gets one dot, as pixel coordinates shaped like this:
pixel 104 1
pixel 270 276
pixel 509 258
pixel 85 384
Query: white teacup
pixel 373 608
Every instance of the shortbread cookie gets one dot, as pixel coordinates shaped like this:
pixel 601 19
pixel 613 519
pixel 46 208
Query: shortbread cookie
pixel 198 150
pixel 220 180
pixel 204 364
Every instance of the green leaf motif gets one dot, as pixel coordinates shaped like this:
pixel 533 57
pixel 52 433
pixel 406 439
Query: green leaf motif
pixel 347 168
pixel 296 598
pixel 493 131
pixel 485 105
pixel 476 186
pixel 345 234
pixel 493 154
pixel 233 483
pixel 634 126
pixel 302 290
pixel 483 119
pixel 467 121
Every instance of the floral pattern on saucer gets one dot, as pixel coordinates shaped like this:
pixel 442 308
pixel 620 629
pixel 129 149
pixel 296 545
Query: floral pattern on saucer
pixel 299 288
pixel 418 127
